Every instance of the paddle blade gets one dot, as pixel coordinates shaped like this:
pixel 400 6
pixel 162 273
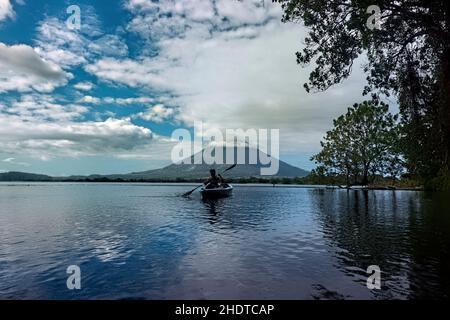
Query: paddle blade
pixel 187 194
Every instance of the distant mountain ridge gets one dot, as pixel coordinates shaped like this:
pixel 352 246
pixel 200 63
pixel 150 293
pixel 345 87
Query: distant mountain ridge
pixel 23 176
pixel 197 171
pixel 175 172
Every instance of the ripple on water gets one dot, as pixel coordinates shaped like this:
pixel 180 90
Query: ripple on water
pixel 135 242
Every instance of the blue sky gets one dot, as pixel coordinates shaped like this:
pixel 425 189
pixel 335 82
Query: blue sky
pixel 106 98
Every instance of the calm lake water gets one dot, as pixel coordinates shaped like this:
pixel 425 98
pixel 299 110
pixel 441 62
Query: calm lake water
pixel 137 241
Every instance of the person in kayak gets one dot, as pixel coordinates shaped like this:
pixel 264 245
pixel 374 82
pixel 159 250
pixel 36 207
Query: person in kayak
pixel 214 181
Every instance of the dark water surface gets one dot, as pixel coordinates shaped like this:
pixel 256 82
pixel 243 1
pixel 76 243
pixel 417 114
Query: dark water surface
pixel 135 241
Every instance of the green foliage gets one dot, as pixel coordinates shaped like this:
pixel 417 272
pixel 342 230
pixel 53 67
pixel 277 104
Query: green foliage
pixel 362 145
pixel 409 56
pixel 439 183
pixel 339 34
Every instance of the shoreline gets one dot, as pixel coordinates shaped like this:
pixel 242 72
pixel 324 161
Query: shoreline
pixel 194 183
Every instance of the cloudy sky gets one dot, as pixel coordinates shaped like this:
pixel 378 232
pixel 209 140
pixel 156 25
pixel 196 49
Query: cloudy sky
pixel 106 98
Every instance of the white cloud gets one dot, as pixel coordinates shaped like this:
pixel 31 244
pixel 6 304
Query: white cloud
pixel 238 70
pixel 45 126
pixel 34 107
pixel 84 86
pixel 59 44
pixel 133 73
pixel 71 48
pixel 45 139
pixel 108 45
pixel 22 69
pixel 167 19
pixel 227 63
pixel 6 10
pixel 246 12
pixel 158 113
pixel 90 100
pixel 115 101
pixel 128 101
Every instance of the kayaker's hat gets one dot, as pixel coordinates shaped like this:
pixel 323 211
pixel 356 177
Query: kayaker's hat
pixel 212 172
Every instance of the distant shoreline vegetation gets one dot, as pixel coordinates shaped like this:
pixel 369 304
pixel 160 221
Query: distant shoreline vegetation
pixel 311 179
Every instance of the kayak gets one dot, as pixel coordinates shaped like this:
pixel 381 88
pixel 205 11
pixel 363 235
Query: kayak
pixel 224 191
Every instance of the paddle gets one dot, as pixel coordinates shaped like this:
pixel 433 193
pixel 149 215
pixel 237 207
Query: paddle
pixel 187 194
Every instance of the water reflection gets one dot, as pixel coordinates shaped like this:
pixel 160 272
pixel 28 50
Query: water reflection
pixel 408 240
pixel 249 209
pixel 261 243
pixel 213 207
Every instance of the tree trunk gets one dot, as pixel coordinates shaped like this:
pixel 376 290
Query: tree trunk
pixel 446 112
pixel 445 92
pixel 365 180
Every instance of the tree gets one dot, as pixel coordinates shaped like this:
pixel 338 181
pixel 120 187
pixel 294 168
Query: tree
pixel 408 55
pixel 362 144
pixel 393 162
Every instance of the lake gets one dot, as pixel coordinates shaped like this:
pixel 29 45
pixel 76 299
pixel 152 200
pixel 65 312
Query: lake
pixel 144 241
